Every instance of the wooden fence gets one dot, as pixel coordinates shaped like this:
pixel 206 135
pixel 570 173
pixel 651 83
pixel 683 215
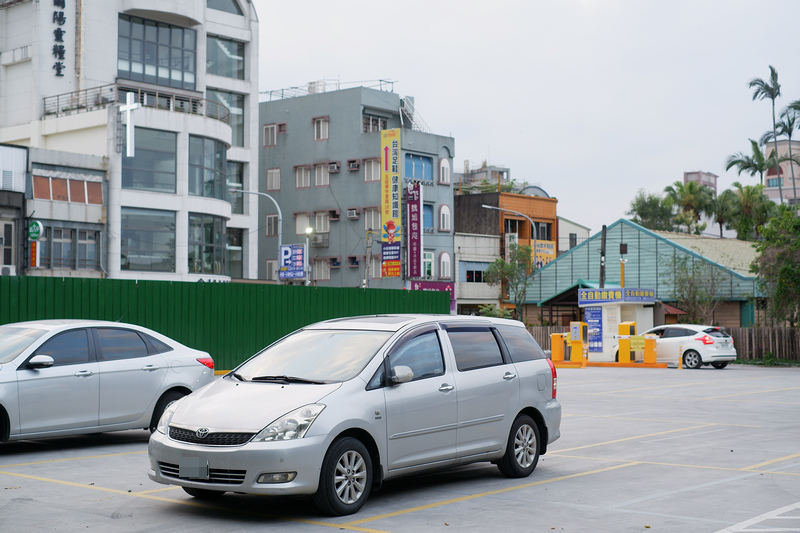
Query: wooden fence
pixel 752 344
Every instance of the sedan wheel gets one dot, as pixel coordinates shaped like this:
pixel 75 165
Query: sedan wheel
pixel 692 359
pixel 522 449
pixel 346 478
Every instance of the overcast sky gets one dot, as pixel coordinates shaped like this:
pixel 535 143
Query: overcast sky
pixel 590 99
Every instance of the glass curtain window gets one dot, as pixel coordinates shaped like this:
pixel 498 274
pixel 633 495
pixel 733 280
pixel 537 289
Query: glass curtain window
pixel 207 244
pixel 156 52
pixel 154 166
pixel 235 104
pixel 228 6
pixel 235 248
pixel 207 168
pixel 225 57
pixel 236 182
pixel 148 240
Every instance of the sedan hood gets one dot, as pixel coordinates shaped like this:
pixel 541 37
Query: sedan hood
pixel 235 406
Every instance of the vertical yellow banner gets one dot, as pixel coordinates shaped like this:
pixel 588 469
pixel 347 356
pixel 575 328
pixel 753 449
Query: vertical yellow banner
pixel 391 221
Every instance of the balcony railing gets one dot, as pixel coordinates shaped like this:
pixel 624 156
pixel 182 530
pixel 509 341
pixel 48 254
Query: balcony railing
pixel 101 97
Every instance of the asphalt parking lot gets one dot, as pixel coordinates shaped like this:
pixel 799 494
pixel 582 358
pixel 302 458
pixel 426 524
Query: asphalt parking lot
pixel 641 450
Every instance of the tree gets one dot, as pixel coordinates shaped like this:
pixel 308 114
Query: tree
pixel 723 209
pixel 513 275
pixel 697 287
pixel 772 90
pixel 778 265
pixel 786 127
pixel 753 210
pixel 651 211
pixel 754 164
pixel 691 199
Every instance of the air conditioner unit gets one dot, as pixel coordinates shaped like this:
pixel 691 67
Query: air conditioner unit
pixel 352 214
pixel 8 270
pixel 333 167
pixel 353 164
pixel 319 239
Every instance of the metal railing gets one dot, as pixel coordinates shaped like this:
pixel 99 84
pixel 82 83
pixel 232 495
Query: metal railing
pixel 101 97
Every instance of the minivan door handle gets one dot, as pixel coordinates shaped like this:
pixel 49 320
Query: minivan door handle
pixel 446 388
pixel 509 376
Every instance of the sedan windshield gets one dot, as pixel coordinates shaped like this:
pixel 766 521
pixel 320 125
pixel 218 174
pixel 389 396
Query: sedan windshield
pixel 314 356
pixel 14 340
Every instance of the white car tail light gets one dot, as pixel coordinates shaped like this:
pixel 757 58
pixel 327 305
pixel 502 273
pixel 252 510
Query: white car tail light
pixel 207 361
pixel 706 339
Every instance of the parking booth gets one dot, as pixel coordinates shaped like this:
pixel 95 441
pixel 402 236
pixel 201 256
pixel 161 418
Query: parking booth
pixel 579 341
pixel 614 313
pixel 558 343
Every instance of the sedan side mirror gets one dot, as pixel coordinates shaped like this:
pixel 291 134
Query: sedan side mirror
pixel 402 374
pixel 40 361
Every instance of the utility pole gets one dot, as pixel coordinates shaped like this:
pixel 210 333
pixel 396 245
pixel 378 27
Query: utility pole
pixel 603 258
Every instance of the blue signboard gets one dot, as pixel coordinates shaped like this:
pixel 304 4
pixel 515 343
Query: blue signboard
pixel 594 321
pixel 291 263
pixel 615 295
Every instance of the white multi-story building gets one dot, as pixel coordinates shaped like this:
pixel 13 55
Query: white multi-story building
pixel 162 210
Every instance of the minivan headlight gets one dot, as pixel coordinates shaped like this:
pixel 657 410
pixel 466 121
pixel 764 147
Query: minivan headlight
pixel 292 425
pixel 166 417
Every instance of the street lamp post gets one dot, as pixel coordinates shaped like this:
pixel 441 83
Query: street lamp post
pixel 280 218
pixel 307 265
pixel 534 229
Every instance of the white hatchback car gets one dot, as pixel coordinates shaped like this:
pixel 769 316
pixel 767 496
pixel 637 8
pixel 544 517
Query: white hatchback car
pixel 337 407
pixel 696 345
pixel 71 377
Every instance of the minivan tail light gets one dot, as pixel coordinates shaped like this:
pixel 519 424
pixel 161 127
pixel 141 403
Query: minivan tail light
pixel 207 361
pixel 706 339
pixel 555 378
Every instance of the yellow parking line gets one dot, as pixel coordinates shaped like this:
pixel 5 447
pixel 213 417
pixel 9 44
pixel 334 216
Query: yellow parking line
pixel 147 495
pixel 632 438
pixel 73 459
pixel 484 494
pixel 749 392
pixel 765 463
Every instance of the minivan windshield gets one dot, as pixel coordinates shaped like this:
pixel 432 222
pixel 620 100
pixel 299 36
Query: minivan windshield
pixel 313 355
pixel 14 340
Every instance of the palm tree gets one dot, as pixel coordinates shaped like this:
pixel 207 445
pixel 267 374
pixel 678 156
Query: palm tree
pixel 769 89
pixel 723 209
pixel 755 164
pixel 753 210
pixel 785 127
pixel 692 199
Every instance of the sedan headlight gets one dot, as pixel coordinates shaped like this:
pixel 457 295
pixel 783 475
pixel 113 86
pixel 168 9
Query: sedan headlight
pixel 292 425
pixel 166 417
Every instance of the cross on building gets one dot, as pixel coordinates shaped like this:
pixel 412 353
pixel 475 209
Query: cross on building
pixel 126 108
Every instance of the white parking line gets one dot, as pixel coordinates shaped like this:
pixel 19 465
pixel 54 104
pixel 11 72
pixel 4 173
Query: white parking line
pixel 685 436
pixel 794 525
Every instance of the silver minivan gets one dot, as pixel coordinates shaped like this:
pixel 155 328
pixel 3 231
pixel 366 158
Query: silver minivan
pixel 337 407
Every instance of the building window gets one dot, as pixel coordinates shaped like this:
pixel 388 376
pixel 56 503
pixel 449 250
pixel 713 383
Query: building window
pixel 473 271
pixel 444 171
pixel 235 104
pixel 444 218
pixel 427 218
pixel 573 240
pixel 774 182
pixel 272 270
pixel 372 219
pixel 154 166
pixel 88 249
pixel 320 128
pixel 61 248
pixel 228 6
pixel 272 225
pixel 225 57
pixel 375 266
pixel 321 175
pixel 207 168
pixel 8 244
pixel 235 249
pixel 419 168
pixel 444 266
pixel 322 269
pixel 373 123
pixel 302 177
pixel 156 52
pixel 236 182
pixel 322 222
pixel 270 135
pixel 427 264
pixel 207 242
pixel 148 240
pixel 372 170
pixel 301 223
pixel 274 179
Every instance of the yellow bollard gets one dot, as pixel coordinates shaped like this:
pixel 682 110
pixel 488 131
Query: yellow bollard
pixel 680 357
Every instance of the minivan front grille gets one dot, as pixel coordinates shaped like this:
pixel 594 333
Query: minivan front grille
pixel 221 476
pixel 212 439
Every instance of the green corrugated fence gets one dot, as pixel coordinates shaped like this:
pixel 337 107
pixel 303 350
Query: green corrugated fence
pixel 231 321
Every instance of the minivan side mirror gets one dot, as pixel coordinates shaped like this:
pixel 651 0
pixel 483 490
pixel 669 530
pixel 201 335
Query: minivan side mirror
pixel 40 361
pixel 401 374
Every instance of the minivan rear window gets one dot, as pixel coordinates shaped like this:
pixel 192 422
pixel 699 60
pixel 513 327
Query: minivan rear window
pixel 521 346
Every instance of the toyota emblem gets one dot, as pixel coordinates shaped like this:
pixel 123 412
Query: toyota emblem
pixel 201 433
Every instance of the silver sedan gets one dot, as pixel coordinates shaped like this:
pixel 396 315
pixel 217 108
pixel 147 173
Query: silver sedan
pixel 337 407
pixel 70 377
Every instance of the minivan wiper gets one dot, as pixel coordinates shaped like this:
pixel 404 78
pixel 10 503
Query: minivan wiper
pixel 287 379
